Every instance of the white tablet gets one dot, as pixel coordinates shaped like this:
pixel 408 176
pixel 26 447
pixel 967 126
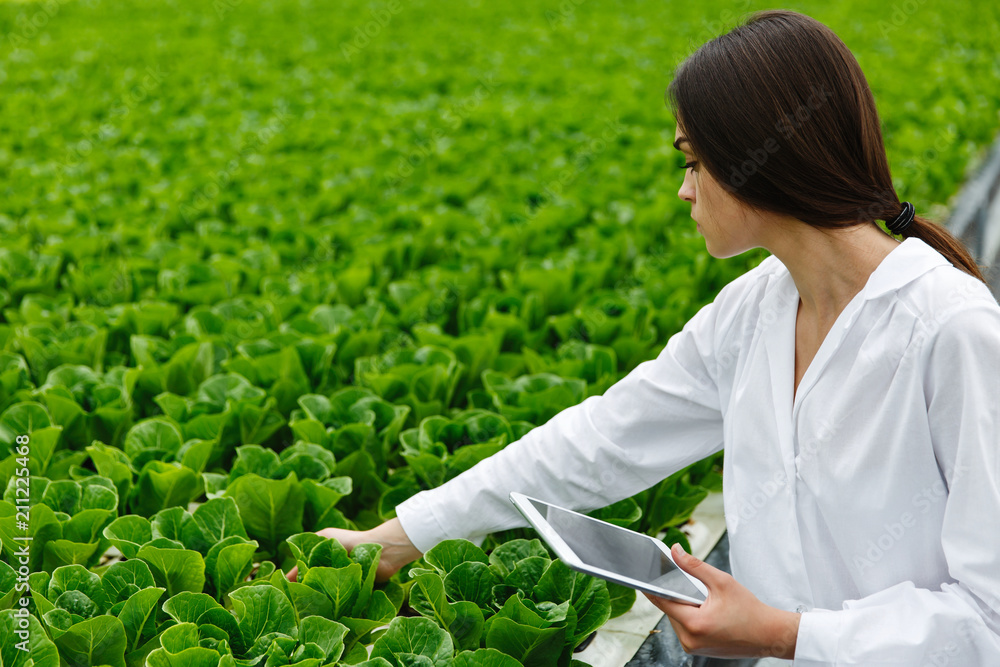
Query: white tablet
pixel 610 552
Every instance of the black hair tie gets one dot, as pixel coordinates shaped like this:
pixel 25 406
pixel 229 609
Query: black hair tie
pixel 902 221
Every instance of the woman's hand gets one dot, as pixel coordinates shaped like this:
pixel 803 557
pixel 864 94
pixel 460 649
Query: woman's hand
pixel 397 550
pixel 732 622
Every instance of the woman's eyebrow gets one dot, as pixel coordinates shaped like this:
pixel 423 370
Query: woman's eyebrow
pixel 680 140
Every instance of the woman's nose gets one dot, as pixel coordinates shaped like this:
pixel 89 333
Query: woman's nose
pixel 686 192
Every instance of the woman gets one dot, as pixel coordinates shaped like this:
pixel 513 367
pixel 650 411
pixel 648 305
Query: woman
pixel 853 381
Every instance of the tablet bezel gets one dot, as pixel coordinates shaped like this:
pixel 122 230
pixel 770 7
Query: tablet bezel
pixel 566 553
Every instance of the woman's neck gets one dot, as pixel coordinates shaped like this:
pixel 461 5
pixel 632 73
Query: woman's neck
pixel 830 267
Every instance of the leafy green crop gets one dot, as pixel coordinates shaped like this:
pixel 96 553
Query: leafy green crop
pixel 264 273
pixel 517 600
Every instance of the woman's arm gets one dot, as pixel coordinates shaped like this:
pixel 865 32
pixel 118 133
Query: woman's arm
pixel 661 417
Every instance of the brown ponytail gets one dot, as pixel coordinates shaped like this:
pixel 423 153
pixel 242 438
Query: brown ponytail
pixel 781 115
pixel 939 238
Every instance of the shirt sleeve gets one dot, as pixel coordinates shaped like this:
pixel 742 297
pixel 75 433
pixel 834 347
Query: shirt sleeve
pixel 960 623
pixel 664 415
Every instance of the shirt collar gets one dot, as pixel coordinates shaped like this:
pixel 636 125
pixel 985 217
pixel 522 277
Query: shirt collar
pixel 905 263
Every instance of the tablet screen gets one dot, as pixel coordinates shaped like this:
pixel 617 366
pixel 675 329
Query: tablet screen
pixel 618 550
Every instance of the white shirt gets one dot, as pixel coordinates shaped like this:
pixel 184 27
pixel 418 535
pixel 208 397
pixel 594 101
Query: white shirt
pixel 872 503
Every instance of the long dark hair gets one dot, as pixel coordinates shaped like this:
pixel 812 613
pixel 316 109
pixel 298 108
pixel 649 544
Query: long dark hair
pixel 781 115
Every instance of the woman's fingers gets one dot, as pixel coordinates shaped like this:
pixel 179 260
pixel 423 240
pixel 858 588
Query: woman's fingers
pixel 397 549
pixel 712 577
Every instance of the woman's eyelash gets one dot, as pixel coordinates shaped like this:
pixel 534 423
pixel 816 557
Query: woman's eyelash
pixel 688 164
